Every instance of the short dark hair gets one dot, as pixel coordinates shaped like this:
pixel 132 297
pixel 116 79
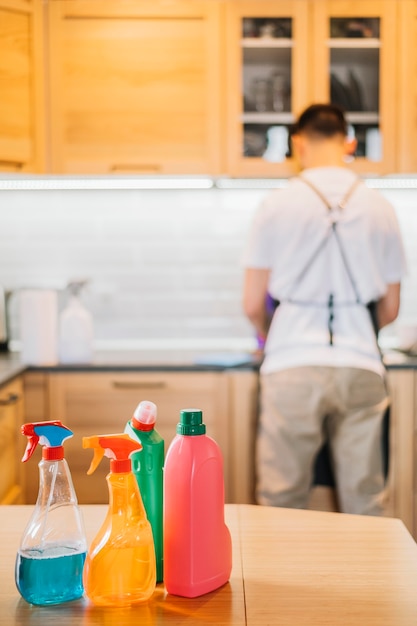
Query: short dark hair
pixel 322 120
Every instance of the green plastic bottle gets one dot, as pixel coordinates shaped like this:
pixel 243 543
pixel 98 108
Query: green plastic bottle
pixel 147 466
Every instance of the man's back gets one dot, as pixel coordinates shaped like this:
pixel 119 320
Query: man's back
pixel 316 251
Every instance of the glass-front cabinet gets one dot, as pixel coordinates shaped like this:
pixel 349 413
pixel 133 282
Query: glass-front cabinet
pixel 355 66
pixel 283 56
pixel 267 53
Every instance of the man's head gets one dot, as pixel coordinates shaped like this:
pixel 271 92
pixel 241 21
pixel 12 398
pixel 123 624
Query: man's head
pixel 320 137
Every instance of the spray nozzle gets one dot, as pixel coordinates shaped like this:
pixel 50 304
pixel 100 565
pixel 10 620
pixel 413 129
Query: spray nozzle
pixel 76 285
pixel 51 435
pixel 144 417
pixel 117 447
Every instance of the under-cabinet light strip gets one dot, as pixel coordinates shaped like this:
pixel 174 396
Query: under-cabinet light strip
pixel 278 183
pixel 105 182
pixel 175 183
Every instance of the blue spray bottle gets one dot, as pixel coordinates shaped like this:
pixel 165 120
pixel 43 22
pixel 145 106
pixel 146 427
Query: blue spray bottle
pixel 50 560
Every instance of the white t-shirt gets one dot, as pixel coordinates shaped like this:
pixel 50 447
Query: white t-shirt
pixel 288 229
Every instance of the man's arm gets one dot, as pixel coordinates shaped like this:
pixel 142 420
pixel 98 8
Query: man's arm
pixel 255 290
pixel 389 305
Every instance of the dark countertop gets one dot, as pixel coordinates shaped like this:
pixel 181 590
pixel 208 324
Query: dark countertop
pixel 10 367
pixel 139 361
pixel 169 360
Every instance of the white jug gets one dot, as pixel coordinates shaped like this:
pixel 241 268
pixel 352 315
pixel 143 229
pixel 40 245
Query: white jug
pixel 38 309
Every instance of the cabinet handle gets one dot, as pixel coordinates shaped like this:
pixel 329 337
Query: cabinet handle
pixel 136 167
pixel 158 384
pixel 11 399
pixel 16 165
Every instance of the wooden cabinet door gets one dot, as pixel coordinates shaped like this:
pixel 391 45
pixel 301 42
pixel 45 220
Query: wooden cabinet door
pixel 11 443
pixel 267 83
pixel 21 115
pixel 243 390
pixel 354 64
pixel 403 420
pixel 134 86
pixel 101 403
pixel 407 87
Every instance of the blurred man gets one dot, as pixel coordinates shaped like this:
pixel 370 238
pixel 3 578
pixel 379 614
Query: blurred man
pixel 328 250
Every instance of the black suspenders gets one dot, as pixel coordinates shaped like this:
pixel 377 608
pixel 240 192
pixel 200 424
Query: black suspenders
pixel 333 231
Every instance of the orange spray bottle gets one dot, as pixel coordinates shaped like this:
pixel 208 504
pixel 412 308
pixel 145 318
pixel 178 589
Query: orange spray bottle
pixel 120 566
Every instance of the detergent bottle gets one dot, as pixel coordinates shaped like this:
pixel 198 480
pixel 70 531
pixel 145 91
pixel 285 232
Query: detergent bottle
pixel 75 329
pixel 197 542
pixel 52 552
pixel 120 565
pixel 147 467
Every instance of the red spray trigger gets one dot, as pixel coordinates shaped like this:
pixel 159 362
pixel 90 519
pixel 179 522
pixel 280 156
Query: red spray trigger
pixel 50 434
pixel 33 439
pixel 117 447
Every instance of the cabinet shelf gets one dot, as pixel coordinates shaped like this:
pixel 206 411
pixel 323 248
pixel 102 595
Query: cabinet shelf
pixel 362 117
pixel 353 117
pixel 267 118
pixel 354 43
pixel 267 42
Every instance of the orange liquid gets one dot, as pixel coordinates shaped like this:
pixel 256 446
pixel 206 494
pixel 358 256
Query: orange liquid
pixel 120 565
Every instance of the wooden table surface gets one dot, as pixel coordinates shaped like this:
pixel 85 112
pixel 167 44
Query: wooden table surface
pixel 295 568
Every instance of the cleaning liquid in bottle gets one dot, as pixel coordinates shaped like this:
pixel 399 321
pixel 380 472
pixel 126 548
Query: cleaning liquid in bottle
pixel 147 467
pixel 49 563
pixel 75 337
pixel 197 542
pixel 120 565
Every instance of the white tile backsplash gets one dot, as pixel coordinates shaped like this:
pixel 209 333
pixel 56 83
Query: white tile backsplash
pixel 162 264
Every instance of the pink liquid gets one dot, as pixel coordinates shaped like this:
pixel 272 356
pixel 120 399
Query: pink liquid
pixel 197 542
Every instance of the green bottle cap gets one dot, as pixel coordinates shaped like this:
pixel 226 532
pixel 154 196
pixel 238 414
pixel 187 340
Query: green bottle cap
pixel 191 422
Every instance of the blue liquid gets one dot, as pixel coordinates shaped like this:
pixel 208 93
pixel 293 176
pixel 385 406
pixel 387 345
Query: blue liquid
pixel 50 577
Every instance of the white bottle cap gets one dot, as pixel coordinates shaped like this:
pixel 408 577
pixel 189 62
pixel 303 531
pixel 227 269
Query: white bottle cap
pixel 145 414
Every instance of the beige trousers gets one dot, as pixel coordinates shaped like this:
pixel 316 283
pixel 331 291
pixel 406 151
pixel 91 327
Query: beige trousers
pixel 299 408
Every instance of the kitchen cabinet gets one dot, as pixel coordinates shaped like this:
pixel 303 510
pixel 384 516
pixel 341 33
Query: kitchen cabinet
pixel 355 65
pixel 403 438
pixel 134 86
pixel 93 403
pixel 243 411
pixel 21 74
pixel 12 443
pixel 407 88
pixel 36 409
pixel 267 57
pixel 284 56
pixel 401 493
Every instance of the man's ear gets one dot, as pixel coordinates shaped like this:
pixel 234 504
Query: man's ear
pixel 297 145
pixel 350 146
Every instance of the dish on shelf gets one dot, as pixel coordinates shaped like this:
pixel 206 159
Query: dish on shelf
pixel 339 93
pixel 355 92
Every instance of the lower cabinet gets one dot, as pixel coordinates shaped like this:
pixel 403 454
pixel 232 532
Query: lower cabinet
pixel 402 484
pixel 102 402
pixel 401 492
pixel 99 403
pixel 12 443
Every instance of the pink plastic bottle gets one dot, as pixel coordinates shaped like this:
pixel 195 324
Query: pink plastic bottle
pixel 197 542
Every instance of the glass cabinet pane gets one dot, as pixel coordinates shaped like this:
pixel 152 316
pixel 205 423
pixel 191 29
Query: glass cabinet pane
pixel 266 79
pixel 354 79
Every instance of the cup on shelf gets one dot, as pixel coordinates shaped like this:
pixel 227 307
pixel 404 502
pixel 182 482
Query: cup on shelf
pixel 373 145
pixel 279 92
pixel 262 94
pixel 277 144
